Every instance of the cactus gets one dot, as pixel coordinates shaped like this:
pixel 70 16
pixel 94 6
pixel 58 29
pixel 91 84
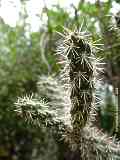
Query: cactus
pixel 80 74
pixel 82 69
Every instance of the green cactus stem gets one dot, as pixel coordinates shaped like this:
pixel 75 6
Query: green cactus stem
pixel 81 75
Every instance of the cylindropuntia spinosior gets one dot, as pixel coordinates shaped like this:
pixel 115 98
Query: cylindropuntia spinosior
pixel 81 68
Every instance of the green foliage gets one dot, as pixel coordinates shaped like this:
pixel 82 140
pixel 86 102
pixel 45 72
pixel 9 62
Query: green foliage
pixel 20 65
pixel 89 8
pixel 58 17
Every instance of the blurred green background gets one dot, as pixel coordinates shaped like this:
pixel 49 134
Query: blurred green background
pixel 27 53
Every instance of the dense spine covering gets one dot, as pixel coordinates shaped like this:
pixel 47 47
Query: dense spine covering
pixel 80 60
pixel 81 80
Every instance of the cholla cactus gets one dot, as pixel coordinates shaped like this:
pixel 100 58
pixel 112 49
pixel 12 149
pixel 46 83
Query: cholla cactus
pixel 80 73
pixel 81 68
